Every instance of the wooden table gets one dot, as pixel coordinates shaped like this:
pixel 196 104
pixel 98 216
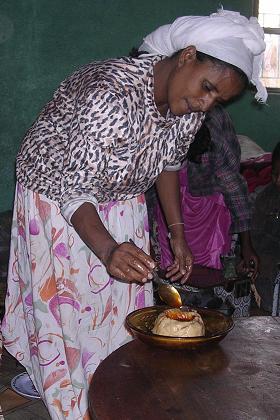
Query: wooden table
pixel 239 379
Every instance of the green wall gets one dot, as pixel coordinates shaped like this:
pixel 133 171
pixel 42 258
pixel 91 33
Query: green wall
pixel 43 41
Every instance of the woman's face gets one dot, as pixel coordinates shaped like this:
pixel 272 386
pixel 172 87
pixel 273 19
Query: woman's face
pixel 275 173
pixel 198 86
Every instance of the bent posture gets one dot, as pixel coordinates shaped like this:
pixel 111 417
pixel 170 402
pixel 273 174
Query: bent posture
pixel 108 134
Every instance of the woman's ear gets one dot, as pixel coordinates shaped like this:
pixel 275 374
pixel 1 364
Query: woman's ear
pixel 187 54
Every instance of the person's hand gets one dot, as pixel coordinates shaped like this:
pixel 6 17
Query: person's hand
pixel 129 263
pixel 250 263
pixel 183 260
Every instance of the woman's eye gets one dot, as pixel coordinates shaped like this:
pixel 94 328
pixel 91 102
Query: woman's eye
pixel 207 87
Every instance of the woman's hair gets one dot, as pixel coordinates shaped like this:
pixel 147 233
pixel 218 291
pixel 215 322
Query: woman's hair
pixel 276 154
pixel 220 63
pixel 217 62
pixel 135 53
pixel 200 145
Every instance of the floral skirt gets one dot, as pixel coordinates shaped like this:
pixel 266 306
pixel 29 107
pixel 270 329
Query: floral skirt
pixel 64 313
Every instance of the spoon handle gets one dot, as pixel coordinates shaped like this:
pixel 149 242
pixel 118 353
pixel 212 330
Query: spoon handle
pixel 157 279
pixel 156 276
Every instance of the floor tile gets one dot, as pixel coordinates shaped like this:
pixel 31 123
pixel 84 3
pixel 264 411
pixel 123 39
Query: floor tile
pixel 30 409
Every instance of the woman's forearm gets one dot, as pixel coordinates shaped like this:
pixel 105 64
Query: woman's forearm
pixel 124 261
pixel 245 242
pixel 168 188
pixel 91 230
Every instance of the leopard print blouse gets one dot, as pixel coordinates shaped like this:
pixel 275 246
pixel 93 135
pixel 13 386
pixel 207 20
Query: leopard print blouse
pixel 102 136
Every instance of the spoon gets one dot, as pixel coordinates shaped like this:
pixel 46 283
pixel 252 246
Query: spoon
pixel 167 293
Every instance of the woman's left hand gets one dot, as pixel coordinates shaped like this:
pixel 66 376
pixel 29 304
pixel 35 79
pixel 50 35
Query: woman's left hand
pixel 183 260
pixel 249 263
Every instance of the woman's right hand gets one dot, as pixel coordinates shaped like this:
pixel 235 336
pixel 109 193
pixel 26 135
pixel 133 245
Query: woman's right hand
pixel 129 263
pixel 125 261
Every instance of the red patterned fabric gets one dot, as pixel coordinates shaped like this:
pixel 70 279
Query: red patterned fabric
pixel 257 171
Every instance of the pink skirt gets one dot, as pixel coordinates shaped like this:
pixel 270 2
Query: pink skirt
pixel 207 223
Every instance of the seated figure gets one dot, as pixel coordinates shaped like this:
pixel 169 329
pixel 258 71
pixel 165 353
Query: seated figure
pixel 266 233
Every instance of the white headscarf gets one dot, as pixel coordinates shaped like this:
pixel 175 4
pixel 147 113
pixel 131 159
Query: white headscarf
pixel 225 35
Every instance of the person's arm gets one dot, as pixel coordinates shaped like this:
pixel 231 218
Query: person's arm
pixel 237 201
pixel 250 260
pixel 124 261
pixel 91 140
pixel 168 189
pixel 234 187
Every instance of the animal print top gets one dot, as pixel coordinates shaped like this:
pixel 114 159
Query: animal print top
pixel 102 136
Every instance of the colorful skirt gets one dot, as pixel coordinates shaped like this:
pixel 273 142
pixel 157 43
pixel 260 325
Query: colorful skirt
pixel 64 313
pixel 207 223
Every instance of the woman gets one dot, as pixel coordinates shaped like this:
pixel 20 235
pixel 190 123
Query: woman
pixel 214 197
pixel 266 233
pixel 107 135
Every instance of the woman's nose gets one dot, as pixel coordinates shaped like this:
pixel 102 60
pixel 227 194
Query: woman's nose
pixel 207 103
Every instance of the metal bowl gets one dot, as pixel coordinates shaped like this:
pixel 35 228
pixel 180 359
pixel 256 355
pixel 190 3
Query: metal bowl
pixel 141 322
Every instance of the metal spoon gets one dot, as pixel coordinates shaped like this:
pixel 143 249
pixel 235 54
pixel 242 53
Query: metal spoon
pixel 168 293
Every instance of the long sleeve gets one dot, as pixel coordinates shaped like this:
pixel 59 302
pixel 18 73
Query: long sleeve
pixel 95 142
pixel 101 137
pixel 219 170
pixel 231 182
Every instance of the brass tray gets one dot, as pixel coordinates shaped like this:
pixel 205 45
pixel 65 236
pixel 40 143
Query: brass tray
pixel 141 322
